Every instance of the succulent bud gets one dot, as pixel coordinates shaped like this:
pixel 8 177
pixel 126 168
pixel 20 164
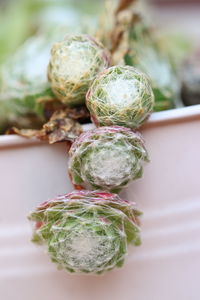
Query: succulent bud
pixel 73 66
pixel 107 158
pixel 120 95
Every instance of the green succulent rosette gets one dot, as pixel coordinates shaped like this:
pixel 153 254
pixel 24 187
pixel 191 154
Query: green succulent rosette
pixel 147 53
pixel 74 64
pixel 23 77
pixel 23 83
pixel 121 95
pixel 107 158
pixel 85 231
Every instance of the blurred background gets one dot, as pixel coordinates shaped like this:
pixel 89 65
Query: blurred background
pixel 22 18
pixel 181 16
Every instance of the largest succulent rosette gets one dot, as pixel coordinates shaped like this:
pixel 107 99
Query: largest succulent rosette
pixel 85 231
pixel 107 158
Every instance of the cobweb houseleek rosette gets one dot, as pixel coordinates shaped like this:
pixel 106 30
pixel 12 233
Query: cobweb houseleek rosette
pixel 73 66
pixel 120 95
pixel 86 231
pixel 23 82
pixel 107 158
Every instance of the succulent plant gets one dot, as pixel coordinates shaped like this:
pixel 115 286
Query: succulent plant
pixel 120 95
pixel 73 66
pixel 23 81
pixel 85 231
pixel 147 53
pixel 133 41
pixel 107 158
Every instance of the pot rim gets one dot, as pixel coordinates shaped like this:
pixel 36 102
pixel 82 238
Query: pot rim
pixel 166 117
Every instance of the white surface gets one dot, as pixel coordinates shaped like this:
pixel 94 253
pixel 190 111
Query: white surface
pixel 166 266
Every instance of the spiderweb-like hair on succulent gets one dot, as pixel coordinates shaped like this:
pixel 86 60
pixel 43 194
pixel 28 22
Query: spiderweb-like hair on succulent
pixel 85 231
pixel 73 66
pixel 120 95
pixel 107 158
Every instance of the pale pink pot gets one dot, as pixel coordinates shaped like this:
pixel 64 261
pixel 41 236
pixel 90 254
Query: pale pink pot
pixel 166 266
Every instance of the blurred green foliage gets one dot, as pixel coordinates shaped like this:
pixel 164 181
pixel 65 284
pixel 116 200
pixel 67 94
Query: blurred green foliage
pixel 19 19
pixel 27 32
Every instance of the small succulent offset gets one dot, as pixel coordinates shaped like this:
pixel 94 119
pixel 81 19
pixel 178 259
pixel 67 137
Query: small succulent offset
pixel 86 231
pixel 107 158
pixel 73 66
pixel 120 95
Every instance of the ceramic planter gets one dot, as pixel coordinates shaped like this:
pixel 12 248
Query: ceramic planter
pixel 166 266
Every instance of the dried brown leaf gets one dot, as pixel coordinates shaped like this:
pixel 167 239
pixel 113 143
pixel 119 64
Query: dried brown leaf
pixel 124 4
pixel 78 113
pixel 58 129
pixel 120 34
pixel 61 128
pixel 29 133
